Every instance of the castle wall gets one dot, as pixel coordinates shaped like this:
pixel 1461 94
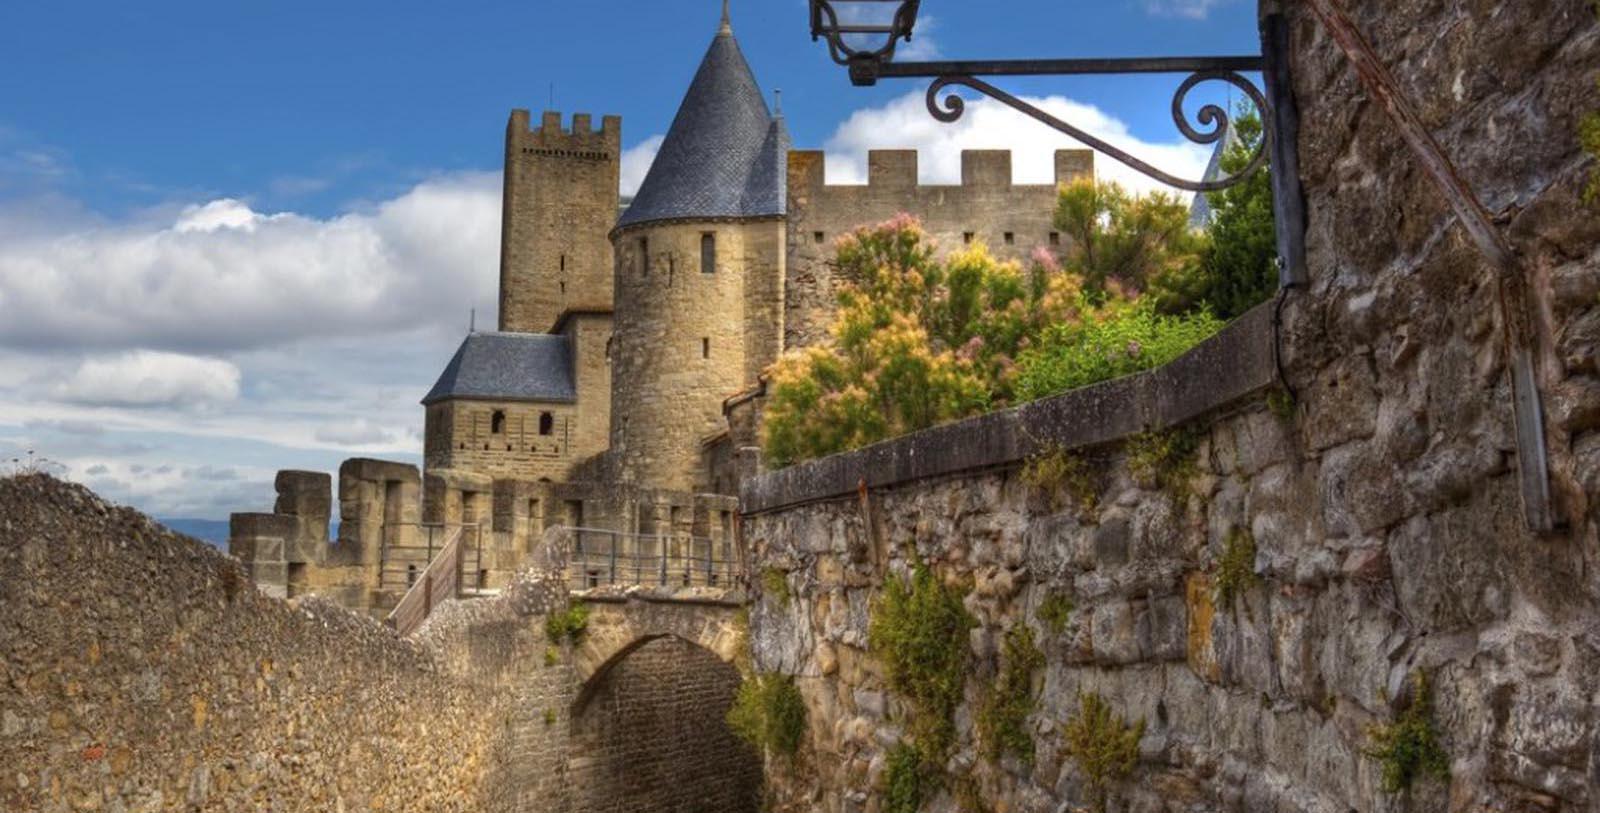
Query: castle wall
pixel 1011 219
pixel 590 335
pixel 560 201
pixel 686 340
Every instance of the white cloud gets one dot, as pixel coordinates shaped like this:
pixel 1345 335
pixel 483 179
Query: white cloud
pixel 636 161
pixel 1189 9
pixel 356 432
pixel 922 46
pixel 220 275
pixel 143 378
pixel 904 123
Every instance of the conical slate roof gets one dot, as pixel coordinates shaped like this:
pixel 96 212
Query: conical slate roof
pixel 725 155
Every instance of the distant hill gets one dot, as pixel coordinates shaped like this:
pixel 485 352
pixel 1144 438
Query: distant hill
pixel 214 531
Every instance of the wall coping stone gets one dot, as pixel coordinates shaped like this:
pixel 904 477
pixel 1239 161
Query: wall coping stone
pixel 1236 363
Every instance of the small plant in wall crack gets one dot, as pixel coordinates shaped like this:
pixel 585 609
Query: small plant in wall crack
pixel 1409 747
pixel 769 713
pixel 1003 718
pixel 1589 136
pixel 1165 460
pixel 1103 745
pixel 567 625
pixel 1054 612
pixel 1061 474
pixel 1236 567
pixel 775 584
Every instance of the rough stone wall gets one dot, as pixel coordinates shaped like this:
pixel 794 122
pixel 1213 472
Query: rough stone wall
pixel 460 435
pixel 590 336
pixel 140 671
pixel 686 340
pixel 1385 509
pixel 986 206
pixel 560 201
pixel 652 736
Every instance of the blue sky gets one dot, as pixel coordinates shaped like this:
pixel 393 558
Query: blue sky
pixel 237 237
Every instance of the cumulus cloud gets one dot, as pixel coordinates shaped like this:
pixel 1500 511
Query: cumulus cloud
pixel 1189 9
pixel 220 275
pixel 904 123
pixel 144 378
pixel 636 161
pixel 357 432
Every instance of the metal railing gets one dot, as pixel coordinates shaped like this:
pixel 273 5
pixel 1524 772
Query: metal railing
pixel 596 557
pixel 439 580
pixel 410 548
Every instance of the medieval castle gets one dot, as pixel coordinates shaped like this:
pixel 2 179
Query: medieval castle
pixel 623 387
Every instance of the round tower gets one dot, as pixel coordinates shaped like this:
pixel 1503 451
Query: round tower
pixel 698 273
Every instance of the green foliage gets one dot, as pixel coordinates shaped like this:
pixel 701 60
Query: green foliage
pixel 1236 569
pixel 775 583
pixel 1103 746
pixel 1164 460
pixel 552 654
pixel 1281 404
pixel 1056 470
pixel 1589 134
pixel 567 625
pixel 903 780
pixel 1120 339
pixel 769 713
pixel 1409 747
pixel 1055 611
pixel 919 630
pixel 1003 718
pixel 549 717
pixel 1118 240
pixel 1236 268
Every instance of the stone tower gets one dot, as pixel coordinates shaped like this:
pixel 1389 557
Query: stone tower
pixel 699 273
pixel 560 200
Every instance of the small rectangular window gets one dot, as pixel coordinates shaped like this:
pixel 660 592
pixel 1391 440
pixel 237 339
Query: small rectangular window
pixel 966 237
pixel 708 253
pixel 1055 238
pixel 817 236
pixel 1011 238
pixel 644 256
pixel 705 348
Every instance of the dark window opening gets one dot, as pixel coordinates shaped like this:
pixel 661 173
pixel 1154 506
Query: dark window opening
pixel 708 253
pixel 644 256
pixel 966 237
pixel 1055 238
pixel 817 236
pixel 705 348
pixel 497 423
pixel 563 262
pixel 1011 238
pixel 547 423
pixel 563 286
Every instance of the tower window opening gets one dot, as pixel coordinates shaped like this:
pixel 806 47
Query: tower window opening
pixel 966 237
pixel 563 263
pixel 644 256
pixel 497 423
pixel 708 253
pixel 1011 238
pixel 563 286
pixel 547 423
pixel 818 236
pixel 1055 238
pixel 705 347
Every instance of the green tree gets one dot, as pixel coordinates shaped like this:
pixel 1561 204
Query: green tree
pixel 1118 241
pixel 1237 267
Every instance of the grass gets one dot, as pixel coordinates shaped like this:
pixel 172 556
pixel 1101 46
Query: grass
pixel 1054 612
pixel 775 584
pixel 769 713
pixel 567 625
pixel 1236 568
pixel 1056 471
pixel 1165 460
pixel 919 629
pixel 1103 745
pixel 1409 747
pixel 1003 718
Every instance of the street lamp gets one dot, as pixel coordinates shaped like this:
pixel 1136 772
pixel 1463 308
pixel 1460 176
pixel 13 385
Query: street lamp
pixel 862 35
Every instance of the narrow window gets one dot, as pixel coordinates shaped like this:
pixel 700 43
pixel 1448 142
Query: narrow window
pixel 644 256
pixel 497 423
pixel 563 286
pixel 705 348
pixel 817 236
pixel 563 263
pixel 966 237
pixel 1011 238
pixel 708 253
pixel 1055 238
pixel 547 423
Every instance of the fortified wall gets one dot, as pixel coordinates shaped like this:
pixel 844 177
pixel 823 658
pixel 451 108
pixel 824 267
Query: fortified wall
pixel 1011 219
pixel 1258 549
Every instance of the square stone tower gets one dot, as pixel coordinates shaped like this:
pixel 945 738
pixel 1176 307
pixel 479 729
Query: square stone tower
pixel 560 204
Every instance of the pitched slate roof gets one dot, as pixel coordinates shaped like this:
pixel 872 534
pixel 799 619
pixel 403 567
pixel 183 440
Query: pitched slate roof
pixel 725 155
pixel 508 367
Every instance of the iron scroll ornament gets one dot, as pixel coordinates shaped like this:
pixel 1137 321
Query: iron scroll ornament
pixel 952 107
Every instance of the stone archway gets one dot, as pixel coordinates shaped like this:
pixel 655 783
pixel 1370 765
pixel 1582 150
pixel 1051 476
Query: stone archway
pixel 649 733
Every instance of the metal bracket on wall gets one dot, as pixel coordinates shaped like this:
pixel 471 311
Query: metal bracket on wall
pixel 1533 463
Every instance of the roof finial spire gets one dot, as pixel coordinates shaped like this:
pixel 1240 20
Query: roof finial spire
pixel 727 24
pixel 777 102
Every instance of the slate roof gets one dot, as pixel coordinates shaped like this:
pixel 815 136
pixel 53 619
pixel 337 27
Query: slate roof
pixel 508 367
pixel 725 154
pixel 1200 212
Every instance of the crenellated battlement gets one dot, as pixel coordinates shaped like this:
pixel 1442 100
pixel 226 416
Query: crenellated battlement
pixel 553 131
pixel 896 171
